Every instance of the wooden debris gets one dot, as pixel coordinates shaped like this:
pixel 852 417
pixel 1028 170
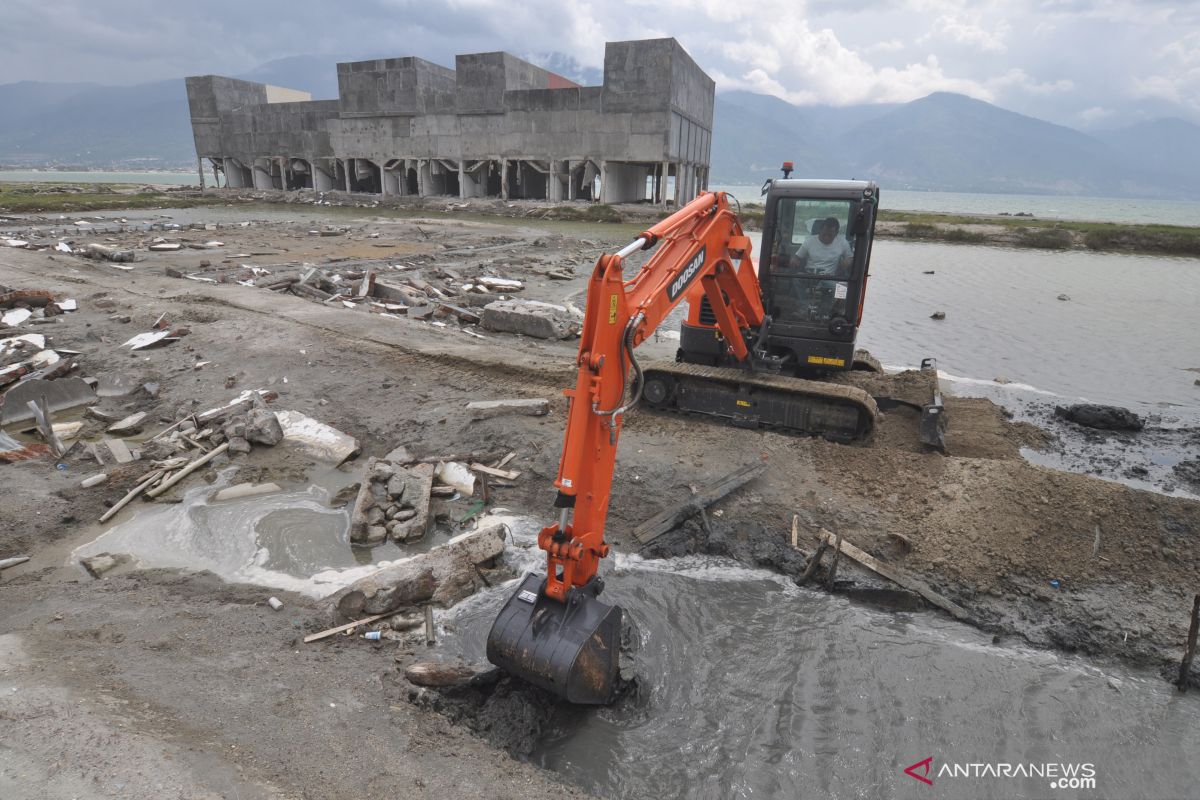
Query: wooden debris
pixel 671 518
pixel 189 469
pixel 5 563
pixel 1185 666
pixel 897 576
pixel 325 634
pixel 124 501
pixel 499 473
pixel 831 578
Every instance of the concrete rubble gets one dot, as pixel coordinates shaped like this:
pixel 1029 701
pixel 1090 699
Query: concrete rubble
pixel 443 576
pixel 532 318
pixel 486 409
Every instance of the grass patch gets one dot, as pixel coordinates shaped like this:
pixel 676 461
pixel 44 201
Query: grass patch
pixel 31 198
pixel 1046 238
pixel 963 236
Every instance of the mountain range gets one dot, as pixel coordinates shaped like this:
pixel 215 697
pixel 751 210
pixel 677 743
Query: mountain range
pixel 944 141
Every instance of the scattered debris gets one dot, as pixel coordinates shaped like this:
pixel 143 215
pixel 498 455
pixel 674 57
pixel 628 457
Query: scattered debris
pixel 896 575
pixel 486 409
pixel 243 490
pixel 671 518
pixel 393 499
pixel 106 253
pixel 275 603
pixel 93 480
pixel 444 575
pixel 938 315
pixel 456 475
pixel 60 395
pixel 128 425
pixel 15 561
pixel 101 563
pixel 532 318
pixel 317 438
pixel 1064 297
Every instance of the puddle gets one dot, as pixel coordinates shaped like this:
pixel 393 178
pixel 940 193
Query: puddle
pixel 289 540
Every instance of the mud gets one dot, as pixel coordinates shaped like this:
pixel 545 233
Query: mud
pixel 987 528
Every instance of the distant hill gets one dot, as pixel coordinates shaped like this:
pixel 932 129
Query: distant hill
pixel 1167 150
pixel 941 142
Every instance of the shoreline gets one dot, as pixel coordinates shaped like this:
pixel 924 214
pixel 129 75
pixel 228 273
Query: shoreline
pixel 1001 230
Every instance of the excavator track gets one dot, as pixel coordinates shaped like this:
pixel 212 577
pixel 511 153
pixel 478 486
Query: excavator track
pixel 836 412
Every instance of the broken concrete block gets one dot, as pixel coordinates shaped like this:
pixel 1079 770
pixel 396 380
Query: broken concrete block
pixel 399 456
pixel 99 564
pixel 112 451
pixel 444 575
pixel 237 444
pixel 531 318
pixel 419 483
pixel 262 427
pixel 322 441
pixel 243 490
pixel 486 409
pixel 131 424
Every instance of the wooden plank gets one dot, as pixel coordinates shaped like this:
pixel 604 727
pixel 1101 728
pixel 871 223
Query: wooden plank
pixel 325 634
pixel 5 563
pixel 895 575
pixel 671 518
pixel 508 475
pixel 1185 666
pixel 124 501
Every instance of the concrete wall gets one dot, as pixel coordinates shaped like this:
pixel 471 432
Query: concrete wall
pixel 494 125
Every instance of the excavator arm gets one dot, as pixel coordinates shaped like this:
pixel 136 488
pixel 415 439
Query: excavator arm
pixel 553 632
pixel 696 246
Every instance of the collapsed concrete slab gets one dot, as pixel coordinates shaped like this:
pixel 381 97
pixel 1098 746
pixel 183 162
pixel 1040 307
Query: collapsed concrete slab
pixel 531 318
pixel 443 576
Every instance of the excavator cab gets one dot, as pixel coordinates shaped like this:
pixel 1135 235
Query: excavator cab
pixel 813 267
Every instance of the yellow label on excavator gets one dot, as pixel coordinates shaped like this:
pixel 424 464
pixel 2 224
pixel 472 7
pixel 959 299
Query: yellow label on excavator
pixel 745 403
pixel 612 310
pixel 827 362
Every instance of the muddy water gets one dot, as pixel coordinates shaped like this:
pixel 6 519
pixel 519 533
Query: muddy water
pixel 755 688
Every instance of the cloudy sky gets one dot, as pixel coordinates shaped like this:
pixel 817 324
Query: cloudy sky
pixel 1084 63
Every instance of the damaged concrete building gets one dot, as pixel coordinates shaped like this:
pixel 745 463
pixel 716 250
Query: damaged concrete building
pixel 494 126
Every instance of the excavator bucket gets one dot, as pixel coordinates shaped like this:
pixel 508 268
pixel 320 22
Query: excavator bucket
pixel 570 649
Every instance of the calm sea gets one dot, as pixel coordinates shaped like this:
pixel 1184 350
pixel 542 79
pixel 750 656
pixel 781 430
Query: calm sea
pixel 1093 209
pixel 1097 209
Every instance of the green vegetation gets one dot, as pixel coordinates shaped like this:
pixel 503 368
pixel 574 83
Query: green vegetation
pixel 31 198
pixel 1043 234
pixel 1045 238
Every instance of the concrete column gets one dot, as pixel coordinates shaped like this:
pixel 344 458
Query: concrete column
pixel 676 193
pixel 200 170
pixel 347 165
pixel 604 192
pixel 571 180
pixel 504 179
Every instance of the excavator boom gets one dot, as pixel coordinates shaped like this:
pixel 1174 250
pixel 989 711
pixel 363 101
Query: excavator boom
pixel 553 631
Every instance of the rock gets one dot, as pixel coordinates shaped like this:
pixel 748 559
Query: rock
pixel 938 315
pixel 444 575
pixel 375 515
pixel 486 409
pixel 238 445
pixel 1188 471
pixel 405 514
pixel 1101 417
pixel 131 424
pixel 376 534
pixel 99 564
pixel 1064 297
pixel 262 427
pixel 531 318
pixel 396 484
pixel 382 471
pixel 236 427
pixel 399 456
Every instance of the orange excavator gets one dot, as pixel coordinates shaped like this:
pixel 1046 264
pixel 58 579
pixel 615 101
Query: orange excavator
pixel 736 361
